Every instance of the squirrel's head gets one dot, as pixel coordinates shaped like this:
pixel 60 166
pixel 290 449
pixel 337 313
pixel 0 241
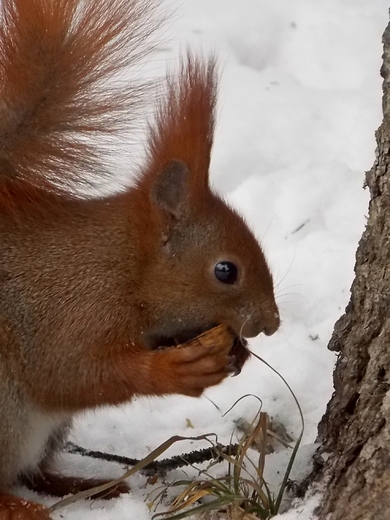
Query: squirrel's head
pixel 206 267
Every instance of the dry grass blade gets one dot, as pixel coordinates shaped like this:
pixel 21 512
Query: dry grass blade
pixel 261 442
pixel 186 499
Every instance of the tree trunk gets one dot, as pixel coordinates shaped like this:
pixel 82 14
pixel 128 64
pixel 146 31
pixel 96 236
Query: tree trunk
pixel 355 431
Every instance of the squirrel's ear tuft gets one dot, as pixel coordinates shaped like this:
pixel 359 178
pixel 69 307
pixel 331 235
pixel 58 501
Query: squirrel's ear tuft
pixel 170 191
pixel 184 125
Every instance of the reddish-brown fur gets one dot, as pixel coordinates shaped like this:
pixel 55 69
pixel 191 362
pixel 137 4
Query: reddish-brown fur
pixel 89 288
pixel 52 65
pixel 185 123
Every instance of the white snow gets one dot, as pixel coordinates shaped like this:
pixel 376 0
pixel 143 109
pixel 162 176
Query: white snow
pixel 300 99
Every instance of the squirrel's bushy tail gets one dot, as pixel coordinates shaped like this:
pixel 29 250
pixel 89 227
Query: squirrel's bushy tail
pixel 62 87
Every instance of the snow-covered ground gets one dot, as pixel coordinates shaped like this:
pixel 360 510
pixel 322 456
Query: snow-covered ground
pixel 300 99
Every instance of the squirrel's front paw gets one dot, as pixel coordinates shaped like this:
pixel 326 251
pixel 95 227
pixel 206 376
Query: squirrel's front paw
pixel 192 367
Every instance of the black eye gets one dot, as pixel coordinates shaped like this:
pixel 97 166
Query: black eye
pixel 226 272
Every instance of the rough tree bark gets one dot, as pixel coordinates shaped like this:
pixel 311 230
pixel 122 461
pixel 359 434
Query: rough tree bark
pixel 355 431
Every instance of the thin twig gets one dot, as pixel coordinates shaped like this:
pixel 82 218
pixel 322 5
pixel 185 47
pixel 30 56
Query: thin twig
pixel 159 467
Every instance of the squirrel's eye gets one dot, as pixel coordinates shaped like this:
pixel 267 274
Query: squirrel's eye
pixel 226 272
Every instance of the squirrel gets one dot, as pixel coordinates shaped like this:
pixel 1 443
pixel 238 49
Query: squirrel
pixel 91 287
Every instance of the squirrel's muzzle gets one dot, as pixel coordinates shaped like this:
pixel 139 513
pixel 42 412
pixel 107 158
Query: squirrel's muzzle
pixel 266 321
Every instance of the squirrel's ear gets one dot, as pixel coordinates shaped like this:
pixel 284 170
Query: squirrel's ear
pixel 170 191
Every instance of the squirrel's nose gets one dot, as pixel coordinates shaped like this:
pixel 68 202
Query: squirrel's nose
pixel 268 322
pixel 272 324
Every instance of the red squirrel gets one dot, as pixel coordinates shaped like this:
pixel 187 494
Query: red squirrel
pixel 90 287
